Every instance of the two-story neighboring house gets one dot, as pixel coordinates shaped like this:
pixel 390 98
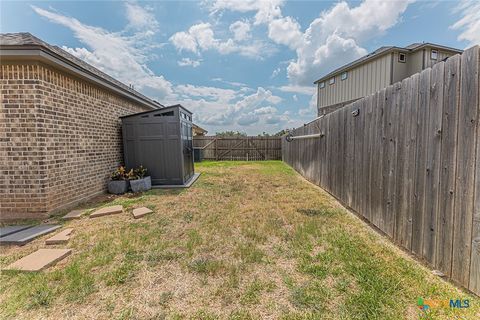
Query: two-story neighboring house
pixel 376 71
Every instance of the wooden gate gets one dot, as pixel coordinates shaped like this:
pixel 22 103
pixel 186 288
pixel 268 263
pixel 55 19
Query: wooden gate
pixel 239 148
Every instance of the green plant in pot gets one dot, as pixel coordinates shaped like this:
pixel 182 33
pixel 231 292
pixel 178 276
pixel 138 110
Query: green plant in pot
pixel 139 181
pixel 118 183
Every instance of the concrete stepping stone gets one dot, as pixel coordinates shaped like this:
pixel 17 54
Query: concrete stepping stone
pixel 75 214
pixel 61 237
pixel 8 230
pixel 107 211
pixel 22 237
pixel 140 212
pixel 39 260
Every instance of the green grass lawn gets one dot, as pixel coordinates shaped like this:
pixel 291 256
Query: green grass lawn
pixel 249 240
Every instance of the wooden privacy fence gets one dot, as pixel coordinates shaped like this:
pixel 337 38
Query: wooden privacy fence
pixel 409 162
pixel 239 148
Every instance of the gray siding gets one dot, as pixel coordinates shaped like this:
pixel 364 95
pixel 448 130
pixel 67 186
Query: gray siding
pixel 441 55
pixel 415 62
pixel 361 81
pixel 374 75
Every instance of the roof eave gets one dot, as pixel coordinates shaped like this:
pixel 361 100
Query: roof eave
pixel 40 53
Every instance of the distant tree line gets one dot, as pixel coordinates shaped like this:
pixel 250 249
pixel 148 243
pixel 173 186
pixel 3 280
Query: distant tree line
pixel 225 134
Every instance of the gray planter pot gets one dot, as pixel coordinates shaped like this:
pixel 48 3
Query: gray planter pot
pixel 117 186
pixel 140 185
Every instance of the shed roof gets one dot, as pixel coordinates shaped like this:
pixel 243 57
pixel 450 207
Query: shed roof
pixel 25 44
pixel 383 50
pixel 162 110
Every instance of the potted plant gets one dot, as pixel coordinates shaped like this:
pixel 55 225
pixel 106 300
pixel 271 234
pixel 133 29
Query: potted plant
pixel 138 181
pixel 118 183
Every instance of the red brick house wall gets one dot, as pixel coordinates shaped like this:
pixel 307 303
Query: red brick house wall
pixel 60 138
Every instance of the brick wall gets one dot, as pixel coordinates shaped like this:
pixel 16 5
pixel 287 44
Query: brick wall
pixel 60 137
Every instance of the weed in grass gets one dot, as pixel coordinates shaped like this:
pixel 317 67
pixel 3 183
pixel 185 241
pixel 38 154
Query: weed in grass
pixel 312 212
pixel 228 290
pixel 249 253
pixel 188 217
pixel 165 298
pixel 204 315
pixel 128 313
pixel 154 258
pixel 254 234
pixel 240 314
pixel 318 270
pixel 206 265
pixel 102 253
pixel 193 241
pixel 311 296
pixel 120 274
pixel 254 290
pixel 41 295
pixel 163 222
pixel 80 283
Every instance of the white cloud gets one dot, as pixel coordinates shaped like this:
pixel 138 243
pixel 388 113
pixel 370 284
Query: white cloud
pixel 217 108
pixel 210 93
pixel 295 98
pixel 201 37
pixel 266 10
pixel 285 31
pixel 121 56
pixel 265 110
pixel 275 73
pixel 310 111
pixel 140 17
pixel 187 62
pixel 307 90
pixel 240 30
pixel 335 37
pixel 248 119
pixel 469 23
pixel 184 41
pixel 232 83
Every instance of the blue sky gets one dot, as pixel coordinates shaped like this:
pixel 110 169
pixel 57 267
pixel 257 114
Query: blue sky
pixel 238 65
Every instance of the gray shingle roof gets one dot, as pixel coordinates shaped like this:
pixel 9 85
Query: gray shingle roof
pixel 26 40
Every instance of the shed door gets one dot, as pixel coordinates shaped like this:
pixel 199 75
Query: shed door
pixel 158 142
pixel 187 144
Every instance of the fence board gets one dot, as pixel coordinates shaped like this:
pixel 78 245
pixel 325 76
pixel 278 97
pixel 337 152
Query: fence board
pixel 402 164
pixel 467 116
pixel 474 284
pixel 443 256
pixel 420 162
pixel 434 135
pixel 349 169
pixel 410 163
pixel 377 159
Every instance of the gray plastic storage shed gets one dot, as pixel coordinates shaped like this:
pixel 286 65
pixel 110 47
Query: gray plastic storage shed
pixel 161 141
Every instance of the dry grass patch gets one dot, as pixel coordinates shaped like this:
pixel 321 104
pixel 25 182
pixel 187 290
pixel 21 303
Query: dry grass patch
pixel 249 240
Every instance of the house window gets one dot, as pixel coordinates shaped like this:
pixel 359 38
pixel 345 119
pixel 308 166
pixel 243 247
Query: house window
pixel 434 54
pixel 344 75
pixel 402 57
pixel 331 81
pixel 322 85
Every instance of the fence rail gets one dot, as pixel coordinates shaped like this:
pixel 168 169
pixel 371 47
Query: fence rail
pixel 239 148
pixel 409 162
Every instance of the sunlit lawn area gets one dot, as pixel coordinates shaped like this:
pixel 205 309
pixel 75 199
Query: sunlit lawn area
pixel 249 240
